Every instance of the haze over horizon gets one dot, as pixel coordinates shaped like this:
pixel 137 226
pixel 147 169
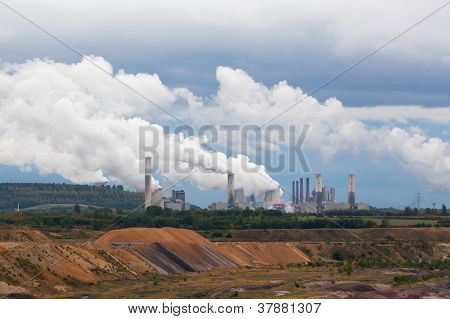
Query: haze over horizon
pixel 387 119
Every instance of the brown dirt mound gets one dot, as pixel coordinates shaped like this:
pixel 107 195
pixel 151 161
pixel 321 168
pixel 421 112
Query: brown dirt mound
pixel 152 235
pixel 168 250
pixel 262 253
pixel 173 250
pixel 13 234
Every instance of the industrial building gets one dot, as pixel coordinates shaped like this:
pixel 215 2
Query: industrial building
pixel 322 197
pixel 218 206
pixel 178 196
pixel 239 196
pixel 328 195
pixel 272 197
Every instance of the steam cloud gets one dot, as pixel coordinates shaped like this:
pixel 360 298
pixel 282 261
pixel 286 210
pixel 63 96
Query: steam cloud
pixel 75 121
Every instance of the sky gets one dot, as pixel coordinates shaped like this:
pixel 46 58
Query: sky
pixel 70 118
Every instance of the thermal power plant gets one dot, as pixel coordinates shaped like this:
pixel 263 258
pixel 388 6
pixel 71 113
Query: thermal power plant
pixel 301 191
pixel 272 197
pixel 239 196
pixel 318 185
pixel 328 194
pixel 296 193
pixel 157 198
pixel 307 196
pixel 178 196
pixel 148 182
pixel 230 188
pixel 351 190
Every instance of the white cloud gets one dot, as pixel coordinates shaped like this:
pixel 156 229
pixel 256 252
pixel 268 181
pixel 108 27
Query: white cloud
pixel 78 122
pixel 323 24
pixel 74 120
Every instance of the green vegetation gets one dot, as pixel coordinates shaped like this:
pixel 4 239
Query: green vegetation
pixel 384 262
pixel 102 219
pixel 412 279
pixel 31 194
pixel 337 255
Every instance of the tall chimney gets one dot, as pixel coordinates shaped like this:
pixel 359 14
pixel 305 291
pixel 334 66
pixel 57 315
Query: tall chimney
pixel 307 198
pixel 318 189
pixel 351 190
pixel 301 190
pixel 148 182
pixel 293 193
pixel 296 192
pixel 230 190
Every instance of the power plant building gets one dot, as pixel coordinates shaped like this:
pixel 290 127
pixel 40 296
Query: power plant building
pixel 272 197
pixel 178 196
pixel 157 198
pixel 328 195
pixel 239 196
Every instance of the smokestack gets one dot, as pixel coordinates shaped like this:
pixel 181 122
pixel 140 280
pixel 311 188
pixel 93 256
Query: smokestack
pixel 230 190
pixel 148 182
pixel 318 189
pixel 296 193
pixel 293 193
pixel 301 190
pixel 351 190
pixel 307 197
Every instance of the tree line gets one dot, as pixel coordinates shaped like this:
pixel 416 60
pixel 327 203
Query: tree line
pixel 33 194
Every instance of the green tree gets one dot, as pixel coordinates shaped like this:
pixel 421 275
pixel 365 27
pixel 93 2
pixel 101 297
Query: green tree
pixel 76 208
pixel 154 210
pixel 444 209
pixel 337 255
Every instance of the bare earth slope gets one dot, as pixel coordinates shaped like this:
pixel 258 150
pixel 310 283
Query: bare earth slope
pixel 171 250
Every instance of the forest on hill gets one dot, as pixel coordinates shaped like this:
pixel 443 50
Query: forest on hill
pixel 33 194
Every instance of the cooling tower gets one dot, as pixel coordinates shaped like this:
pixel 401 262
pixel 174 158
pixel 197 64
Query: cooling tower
pixel 231 202
pixel 272 197
pixel 148 182
pixel 157 198
pixel 351 190
pixel 239 195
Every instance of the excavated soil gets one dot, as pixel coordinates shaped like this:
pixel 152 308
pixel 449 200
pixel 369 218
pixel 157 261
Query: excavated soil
pixel 252 253
pixel 171 250
pixel 31 264
pixel 14 234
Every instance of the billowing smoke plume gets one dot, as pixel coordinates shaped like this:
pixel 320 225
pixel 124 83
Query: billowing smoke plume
pixel 76 121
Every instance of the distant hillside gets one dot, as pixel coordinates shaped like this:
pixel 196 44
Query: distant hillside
pixel 33 194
